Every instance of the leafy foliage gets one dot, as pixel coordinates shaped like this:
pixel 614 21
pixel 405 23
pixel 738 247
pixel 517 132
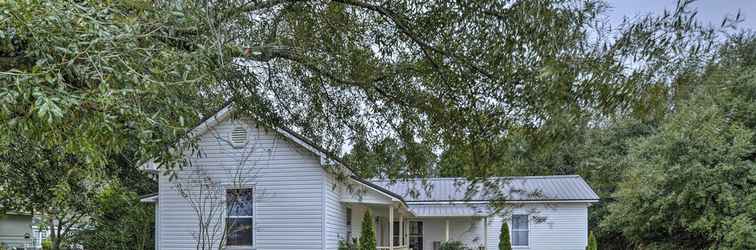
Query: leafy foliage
pixel 88 89
pixel 691 184
pixel 120 221
pixel 411 76
pixel 452 245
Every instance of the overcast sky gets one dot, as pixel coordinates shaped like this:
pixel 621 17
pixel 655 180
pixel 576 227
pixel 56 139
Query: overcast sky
pixel 709 11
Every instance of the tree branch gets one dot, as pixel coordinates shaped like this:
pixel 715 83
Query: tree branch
pixel 10 62
pixel 425 47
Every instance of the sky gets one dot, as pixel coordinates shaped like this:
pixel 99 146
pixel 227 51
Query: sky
pixel 709 11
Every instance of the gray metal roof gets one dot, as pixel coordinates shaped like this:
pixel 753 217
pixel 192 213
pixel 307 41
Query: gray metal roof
pixel 526 188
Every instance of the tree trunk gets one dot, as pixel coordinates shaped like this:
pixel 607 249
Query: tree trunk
pixel 53 235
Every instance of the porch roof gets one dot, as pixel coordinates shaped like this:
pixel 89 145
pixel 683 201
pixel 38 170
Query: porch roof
pixel 558 188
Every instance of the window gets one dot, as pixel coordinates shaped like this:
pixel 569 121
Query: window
pixel 349 224
pixel 416 235
pixel 519 230
pixel 239 217
pixel 396 237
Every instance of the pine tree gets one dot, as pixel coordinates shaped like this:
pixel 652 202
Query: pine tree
pixel 504 243
pixel 367 235
pixel 592 244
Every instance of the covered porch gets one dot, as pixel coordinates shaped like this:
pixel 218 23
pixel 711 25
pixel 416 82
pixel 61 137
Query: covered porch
pixel 420 227
pixel 391 224
pixel 439 223
pixel 389 214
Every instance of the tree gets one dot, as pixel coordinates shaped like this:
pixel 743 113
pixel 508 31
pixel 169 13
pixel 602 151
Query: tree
pixel 592 244
pixel 119 221
pixel 47 183
pixel 91 79
pixel 504 243
pixel 87 90
pixel 367 235
pixel 691 184
pixel 412 72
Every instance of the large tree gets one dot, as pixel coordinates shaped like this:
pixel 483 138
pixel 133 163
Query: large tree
pixel 444 74
pixel 692 184
pixel 87 88
pixel 95 80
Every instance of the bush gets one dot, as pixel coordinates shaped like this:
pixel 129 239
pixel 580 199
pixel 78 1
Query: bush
pixel 348 245
pixel 119 221
pixel 367 235
pixel 452 245
pixel 46 244
pixel 504 243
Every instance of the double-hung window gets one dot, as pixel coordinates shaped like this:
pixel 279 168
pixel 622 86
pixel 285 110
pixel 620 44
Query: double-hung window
pixel 240 217
pixel 349 224
pixel 520 230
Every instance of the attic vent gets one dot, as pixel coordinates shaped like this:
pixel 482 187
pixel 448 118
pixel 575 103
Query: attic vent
pixel 239 137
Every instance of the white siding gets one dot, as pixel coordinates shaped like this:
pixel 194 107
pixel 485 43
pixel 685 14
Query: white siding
pixel 288 182
pixel 13 228
pixel 564 228
pixel 467 230
pixel 362 194
pixel 335 213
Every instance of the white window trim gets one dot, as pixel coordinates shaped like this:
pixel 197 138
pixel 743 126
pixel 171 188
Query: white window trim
pixel 253 217
pixel 512 231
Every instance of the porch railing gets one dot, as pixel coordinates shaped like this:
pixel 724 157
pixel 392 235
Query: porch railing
pixel 395 248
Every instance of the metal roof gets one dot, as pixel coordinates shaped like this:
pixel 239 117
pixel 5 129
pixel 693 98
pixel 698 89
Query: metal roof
pixel 457 210
pixel 526 188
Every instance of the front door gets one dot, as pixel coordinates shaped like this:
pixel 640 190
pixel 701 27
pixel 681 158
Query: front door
pixel 416 235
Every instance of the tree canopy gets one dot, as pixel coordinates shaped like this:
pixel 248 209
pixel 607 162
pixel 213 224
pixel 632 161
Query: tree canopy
pixel 90 89
pixel 692 183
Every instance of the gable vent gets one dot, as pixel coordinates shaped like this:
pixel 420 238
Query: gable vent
pixel 239 137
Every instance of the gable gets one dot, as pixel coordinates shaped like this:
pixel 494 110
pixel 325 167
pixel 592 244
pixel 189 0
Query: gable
pixel 325 158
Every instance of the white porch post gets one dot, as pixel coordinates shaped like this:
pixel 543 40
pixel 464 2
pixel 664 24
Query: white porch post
pixel 447 231
pixel 407 232
pixel 391 227
pixel 401 229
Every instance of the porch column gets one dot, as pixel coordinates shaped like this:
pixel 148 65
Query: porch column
pixel 447 231
pixel 407 232
pixel 401 229
pixel 391 227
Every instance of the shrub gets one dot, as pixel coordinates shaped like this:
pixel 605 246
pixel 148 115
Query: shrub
pixel 347 244
pixel 592 244
pixel 46 244
pixel 452 245
pixel 504 243
pixel 367 235
pixel 343 245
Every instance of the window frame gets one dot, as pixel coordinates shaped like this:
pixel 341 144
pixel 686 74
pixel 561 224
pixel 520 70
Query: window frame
pixel 253 216
pixel 513 230
pixel 348 223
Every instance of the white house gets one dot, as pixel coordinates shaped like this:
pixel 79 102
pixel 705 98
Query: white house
pixel 257 188
pixel 19 231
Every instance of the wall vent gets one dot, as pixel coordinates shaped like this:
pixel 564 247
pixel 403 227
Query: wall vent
pixel 239 137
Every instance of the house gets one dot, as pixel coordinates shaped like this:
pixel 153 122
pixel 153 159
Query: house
pixel 252 187
pixel 18 230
